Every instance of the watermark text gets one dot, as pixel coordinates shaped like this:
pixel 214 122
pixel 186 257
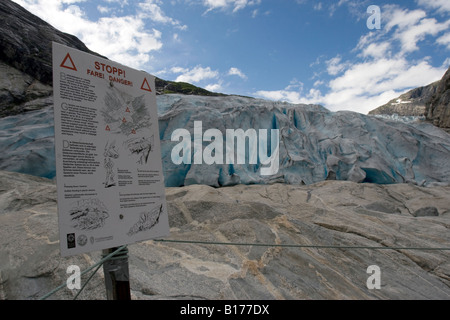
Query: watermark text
pixel 374 21
pixel 74 280
pixel 374 281
pixel 236 151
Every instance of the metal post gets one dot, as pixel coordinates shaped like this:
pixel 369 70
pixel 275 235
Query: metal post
pixel 117 279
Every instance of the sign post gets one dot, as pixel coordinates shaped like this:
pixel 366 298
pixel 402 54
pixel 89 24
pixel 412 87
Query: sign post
pixel 108 157
pixel 117 279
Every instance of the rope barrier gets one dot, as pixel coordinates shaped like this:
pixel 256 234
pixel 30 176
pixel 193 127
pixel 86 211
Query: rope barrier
pixel 112 255
pixel 300 246
pixel 87 281
pixel 98 264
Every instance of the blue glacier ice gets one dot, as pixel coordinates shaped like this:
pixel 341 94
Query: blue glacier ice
pixel 27 143
pixel 315 144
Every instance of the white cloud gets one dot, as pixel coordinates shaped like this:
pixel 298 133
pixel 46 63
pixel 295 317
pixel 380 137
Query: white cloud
pixel 217 87
pixel 440 5
pixel 363 87
pixel 121 2
pixel 382 69
pixel 151 9
pixel 446 63
pixel 225 4
pixel 237 72
pixel 295 85
pixel 195 74
pixel 335 65
pixel 410 27
pixel 318 83
pixel 444 40
pixel 364 76
pixel 410 37
pixel 178 70
pixel 280 95
pixel 292 93
pixel 376 50
pixel 125 39
pixel 401 18
pixel 103 9
pixel 161 73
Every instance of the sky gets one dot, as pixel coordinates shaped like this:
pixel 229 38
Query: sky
pixel 329 52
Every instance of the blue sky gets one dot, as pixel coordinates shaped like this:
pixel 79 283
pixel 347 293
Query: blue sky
pixel 299 51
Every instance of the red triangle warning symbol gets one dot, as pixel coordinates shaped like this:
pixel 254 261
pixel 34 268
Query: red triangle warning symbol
pixel 133 131
pixel 68 63
pixel 108 128
pixel 124 120
pixel 128 110
pixel 145 86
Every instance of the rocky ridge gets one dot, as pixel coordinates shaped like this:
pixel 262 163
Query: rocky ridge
pixel 411 103
pixel 438 106
pixel 26 59
pixel 25 42
pixel 431 102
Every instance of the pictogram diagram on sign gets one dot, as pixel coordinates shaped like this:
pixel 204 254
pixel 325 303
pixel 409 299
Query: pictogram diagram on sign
pixel 147 221
pixel 124 114
pixel 140 148
pixel 88 214
pixel 110 154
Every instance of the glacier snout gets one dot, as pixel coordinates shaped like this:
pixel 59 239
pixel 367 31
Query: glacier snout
pixel 313 143
pixel 250 141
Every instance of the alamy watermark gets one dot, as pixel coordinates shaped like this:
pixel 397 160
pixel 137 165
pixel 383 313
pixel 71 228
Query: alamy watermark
pixel 374 21
pixel 374 281
pixel 236 151
pixel 74 280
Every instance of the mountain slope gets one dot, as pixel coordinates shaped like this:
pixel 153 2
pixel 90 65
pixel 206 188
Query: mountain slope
pixel 432 101
pixel 411 103
pixel 438 106
pixel 26 61
pixel 25 41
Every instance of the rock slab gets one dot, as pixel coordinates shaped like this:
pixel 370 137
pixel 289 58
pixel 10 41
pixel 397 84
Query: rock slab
pixel 250 225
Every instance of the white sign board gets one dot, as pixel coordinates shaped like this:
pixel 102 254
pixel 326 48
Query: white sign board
pixel 108 158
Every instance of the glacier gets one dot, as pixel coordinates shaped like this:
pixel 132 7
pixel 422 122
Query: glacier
pixel 27 143
pixel 315 144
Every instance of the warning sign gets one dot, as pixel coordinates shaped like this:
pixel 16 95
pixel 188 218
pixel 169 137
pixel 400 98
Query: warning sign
pixel 68 63
pixel 108 158
pixel 145 86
